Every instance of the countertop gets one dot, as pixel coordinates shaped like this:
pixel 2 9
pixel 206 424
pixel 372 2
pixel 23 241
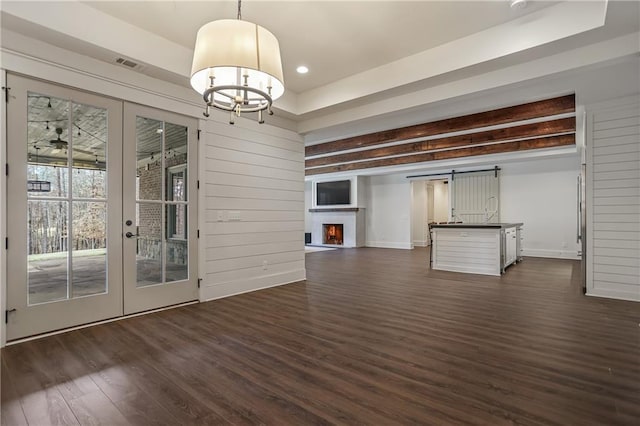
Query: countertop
pixel 476 225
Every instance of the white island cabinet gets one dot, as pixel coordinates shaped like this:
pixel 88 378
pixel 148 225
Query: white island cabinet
pixel 475 248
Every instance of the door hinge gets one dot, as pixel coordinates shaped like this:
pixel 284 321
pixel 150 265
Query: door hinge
pixel 198 184
pixel 6 93
pixel 6 169
pixel 6 243
pixel 6 315
pixel 199 281
pixel 199 134
pixel 198 233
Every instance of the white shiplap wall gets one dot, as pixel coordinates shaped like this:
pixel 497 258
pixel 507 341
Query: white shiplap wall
pixel 252 209
pixel 613 200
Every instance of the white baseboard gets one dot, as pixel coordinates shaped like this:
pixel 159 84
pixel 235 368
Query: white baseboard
pixel 619 295
pixel 385 244
pixel 554 254
pixel 420 243
pixel 233 288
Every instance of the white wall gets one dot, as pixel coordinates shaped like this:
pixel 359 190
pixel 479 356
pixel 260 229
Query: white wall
pixel 389 212
pixel 253 174
pixel 419 213
pixel 543 195
pixel 440 201
pixel 308 203
pixel 252 219
pixel 612 197
pixel 540 193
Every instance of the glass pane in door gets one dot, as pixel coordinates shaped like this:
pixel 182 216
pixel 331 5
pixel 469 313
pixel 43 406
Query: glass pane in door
pixel 149 244
pixel 149 134
pixel 48 198
pixel 177 243
pixel 89 248
pixel 89 152
pixel 47 250
pixel 47 146
pixel 66 189
pixel 89 190
pixel 177 247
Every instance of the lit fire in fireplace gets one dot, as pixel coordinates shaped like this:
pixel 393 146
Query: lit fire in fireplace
pixel 332 234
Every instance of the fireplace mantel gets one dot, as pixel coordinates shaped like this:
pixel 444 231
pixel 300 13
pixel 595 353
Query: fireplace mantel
pixel 335 209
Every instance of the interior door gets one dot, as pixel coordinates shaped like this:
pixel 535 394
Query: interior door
pixel 160 209
pixel 475 197
pixel 64 208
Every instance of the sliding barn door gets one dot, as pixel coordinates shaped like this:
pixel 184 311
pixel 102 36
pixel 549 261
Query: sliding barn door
pixel 475 197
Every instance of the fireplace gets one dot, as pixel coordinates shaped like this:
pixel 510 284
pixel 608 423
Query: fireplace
pixel 348 227
pixel 332 233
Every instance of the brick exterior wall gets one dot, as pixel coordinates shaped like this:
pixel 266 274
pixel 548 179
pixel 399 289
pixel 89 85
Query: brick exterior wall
pixel 150 215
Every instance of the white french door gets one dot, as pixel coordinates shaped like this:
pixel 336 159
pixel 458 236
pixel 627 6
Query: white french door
pixel 71 178
pixel 160 210
pixel 64 260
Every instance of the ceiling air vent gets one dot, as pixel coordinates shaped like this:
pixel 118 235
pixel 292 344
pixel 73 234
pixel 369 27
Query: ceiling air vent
pixel 126 62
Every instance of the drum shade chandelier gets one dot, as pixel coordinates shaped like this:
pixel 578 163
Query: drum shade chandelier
pixel 237 67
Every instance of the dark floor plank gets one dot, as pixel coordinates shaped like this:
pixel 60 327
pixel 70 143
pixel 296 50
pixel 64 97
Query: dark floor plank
pixel 95 409
pixel 141 409
pixel 11 412
pixel 40 398
pixel 214 381
pixel 372 337
pixel 134 404
pixel 134 363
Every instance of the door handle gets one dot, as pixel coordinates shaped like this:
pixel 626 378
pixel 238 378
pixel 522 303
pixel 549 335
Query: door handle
pixel 579 214
pixel 130 235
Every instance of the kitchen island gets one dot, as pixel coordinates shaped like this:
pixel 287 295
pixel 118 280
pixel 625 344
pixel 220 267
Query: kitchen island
pixel 475 248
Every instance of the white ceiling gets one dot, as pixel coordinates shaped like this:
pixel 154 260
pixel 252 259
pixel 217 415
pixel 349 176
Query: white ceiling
pixel 373 64
pixel 335 39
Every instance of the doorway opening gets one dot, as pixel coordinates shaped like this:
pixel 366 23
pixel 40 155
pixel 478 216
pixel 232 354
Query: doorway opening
pixel 429 204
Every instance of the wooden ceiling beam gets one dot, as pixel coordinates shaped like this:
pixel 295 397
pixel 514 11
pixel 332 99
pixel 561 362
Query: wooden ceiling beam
pixel 545 128
pixel 544 108
pixel 538 143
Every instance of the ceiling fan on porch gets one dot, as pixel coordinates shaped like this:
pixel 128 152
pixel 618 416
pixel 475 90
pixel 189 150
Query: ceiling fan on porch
pixel 62 145
pixel 59 143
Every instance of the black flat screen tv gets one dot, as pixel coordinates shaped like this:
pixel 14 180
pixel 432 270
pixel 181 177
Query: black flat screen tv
pixel 333 193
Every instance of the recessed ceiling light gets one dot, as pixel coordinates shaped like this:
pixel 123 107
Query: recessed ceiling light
pixel 518 4
pixel 302 69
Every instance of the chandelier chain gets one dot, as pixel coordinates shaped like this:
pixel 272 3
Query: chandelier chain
pixel 239 12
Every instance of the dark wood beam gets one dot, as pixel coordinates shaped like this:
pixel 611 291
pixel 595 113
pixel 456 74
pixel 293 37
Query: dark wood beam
pixel 545 128
pixel 545 108
pixel 538 143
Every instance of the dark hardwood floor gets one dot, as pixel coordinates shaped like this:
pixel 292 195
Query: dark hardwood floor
pixel 372 337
